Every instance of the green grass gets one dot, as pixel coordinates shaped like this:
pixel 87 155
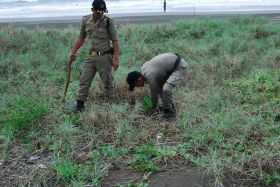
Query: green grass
pixel 226 109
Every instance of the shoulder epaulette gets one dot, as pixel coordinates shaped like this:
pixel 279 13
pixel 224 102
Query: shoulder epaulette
pixel 109 18
pixel 116 24
pixel 85 18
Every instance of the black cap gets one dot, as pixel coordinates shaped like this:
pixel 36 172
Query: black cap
pixel 132 78
pixel 99 5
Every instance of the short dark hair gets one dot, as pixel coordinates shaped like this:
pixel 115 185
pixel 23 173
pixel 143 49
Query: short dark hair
pixel 99 5
pixel 132 78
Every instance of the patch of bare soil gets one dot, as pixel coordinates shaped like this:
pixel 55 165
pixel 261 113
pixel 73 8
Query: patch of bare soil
pixel 178 177
pixel 28 170
pixel 118 176
pixel 183 177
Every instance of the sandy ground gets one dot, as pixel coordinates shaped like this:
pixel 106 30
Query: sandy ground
pixel 136 18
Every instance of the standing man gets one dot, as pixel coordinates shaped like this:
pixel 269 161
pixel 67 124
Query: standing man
pixel 163 73
pixel 164 5
pixel 99 31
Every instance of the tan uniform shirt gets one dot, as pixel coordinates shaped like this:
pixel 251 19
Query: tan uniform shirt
pixel 99 33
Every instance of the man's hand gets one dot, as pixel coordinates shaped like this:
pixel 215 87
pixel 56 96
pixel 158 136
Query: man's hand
pixel 71 57
pixel 115 64
pixel 77 44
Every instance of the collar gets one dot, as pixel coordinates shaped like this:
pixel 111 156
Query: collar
pixel 91 18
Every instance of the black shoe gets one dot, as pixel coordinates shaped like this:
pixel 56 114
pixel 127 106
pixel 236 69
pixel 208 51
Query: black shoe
pixel 277 117
pixel 79 107
pixel 168 113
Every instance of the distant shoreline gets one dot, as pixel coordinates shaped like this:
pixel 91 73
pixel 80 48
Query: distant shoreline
pixel 131 18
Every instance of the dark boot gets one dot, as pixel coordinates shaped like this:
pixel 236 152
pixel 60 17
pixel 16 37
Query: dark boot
pixel 80 106
pixel 168 113
pixel 277 117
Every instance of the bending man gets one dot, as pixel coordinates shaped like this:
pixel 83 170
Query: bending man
pixel 162 73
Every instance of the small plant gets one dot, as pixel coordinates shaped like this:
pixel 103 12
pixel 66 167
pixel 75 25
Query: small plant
pixel 270 178
pixel 143 157
pixel 66 171
pixel 147 155
pixel 147 103
pixel 110 152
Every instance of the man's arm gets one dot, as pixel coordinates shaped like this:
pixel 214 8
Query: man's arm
pixel 154 93
pixel 79 41
pixel 116 54
pixel 114 38
pixel 77 44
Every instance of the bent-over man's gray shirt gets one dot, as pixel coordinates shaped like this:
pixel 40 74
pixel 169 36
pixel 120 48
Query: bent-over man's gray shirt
pixel 155 72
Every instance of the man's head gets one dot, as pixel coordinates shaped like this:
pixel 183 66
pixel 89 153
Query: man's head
pixel 99 6
pixel 135 78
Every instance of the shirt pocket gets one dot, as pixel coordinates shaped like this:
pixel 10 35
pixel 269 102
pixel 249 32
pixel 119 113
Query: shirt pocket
pixel 88 32
pixel 102 33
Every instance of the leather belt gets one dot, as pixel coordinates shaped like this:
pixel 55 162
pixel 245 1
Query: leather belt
pixel 99 53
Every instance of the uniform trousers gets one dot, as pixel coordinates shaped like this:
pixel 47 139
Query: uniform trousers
pixel 177 77
pixel 102 65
